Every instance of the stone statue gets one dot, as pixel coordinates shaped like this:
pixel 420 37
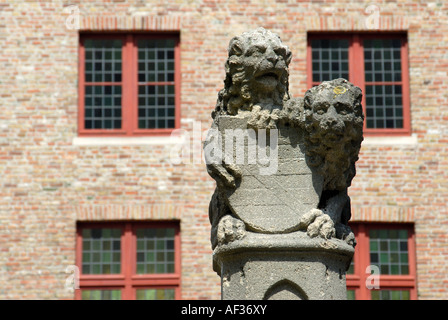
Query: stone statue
pixel 333 122
pixel 301 154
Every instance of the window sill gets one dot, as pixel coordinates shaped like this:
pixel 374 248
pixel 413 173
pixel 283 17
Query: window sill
pixel 398 141
pixel 127 141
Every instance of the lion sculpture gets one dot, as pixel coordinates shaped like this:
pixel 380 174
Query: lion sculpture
pixel 256 78
pixel 333 122
pixel 330 115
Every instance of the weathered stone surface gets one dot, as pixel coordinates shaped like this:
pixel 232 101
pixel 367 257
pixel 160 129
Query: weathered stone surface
pixel 283 266
pixel 306 160
pixel 280 210
pixel 290 191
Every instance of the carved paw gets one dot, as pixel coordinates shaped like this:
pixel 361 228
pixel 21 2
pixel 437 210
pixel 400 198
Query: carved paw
pixel 263 119
pixel 317 223
pixel 224 174
pixel 344 232
pixel 230 229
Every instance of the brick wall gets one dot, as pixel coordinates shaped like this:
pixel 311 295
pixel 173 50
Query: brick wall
pixel 49 180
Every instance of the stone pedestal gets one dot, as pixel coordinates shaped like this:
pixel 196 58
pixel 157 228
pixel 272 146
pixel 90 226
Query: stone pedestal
pixel 283 267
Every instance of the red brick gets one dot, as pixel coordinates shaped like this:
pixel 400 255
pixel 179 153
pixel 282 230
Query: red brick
pixel 39 107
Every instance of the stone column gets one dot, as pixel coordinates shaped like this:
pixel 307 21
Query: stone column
pixel 282 167
pixel 283 267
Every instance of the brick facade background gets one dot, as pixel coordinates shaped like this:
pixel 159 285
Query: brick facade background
pixel 49 180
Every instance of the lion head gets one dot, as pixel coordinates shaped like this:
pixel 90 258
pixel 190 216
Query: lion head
pixel 256 73
pixel 333 121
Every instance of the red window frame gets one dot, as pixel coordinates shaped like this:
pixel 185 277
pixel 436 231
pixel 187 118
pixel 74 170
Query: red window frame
pixel 357 76
pixel 361 259
pixel 129 83
pixel 128 280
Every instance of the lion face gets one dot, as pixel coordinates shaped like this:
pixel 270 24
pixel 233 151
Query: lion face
pixel 333 121
pixel 263 57
pixel 256 73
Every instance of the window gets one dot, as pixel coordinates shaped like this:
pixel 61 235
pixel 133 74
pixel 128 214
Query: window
pixel 378 64
pixel 387 251
pixel 128 85
pixel 132 260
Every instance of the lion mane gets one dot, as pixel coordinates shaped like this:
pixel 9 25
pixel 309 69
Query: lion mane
pixel 333 121
pixel 252 56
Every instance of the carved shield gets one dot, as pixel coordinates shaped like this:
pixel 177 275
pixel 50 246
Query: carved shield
pixel 277 187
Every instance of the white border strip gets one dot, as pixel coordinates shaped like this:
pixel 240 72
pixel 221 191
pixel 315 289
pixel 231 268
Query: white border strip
pixel 127 141
pixel 391 141
pixel 174 140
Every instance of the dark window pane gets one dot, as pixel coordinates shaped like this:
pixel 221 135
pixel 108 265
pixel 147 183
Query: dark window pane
pixel 388 251
pixel 99 256
pixel 386 101
pixel 390 295
pixel 155 294
pixel 156 59
pixel 351 295
pixel 103 107
pixel 329 59
pixel 101 295
pixel 379 123
pixel 102 60
pixel 162 97
pixel 156 245
pixel 379 63
pixel 389 112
